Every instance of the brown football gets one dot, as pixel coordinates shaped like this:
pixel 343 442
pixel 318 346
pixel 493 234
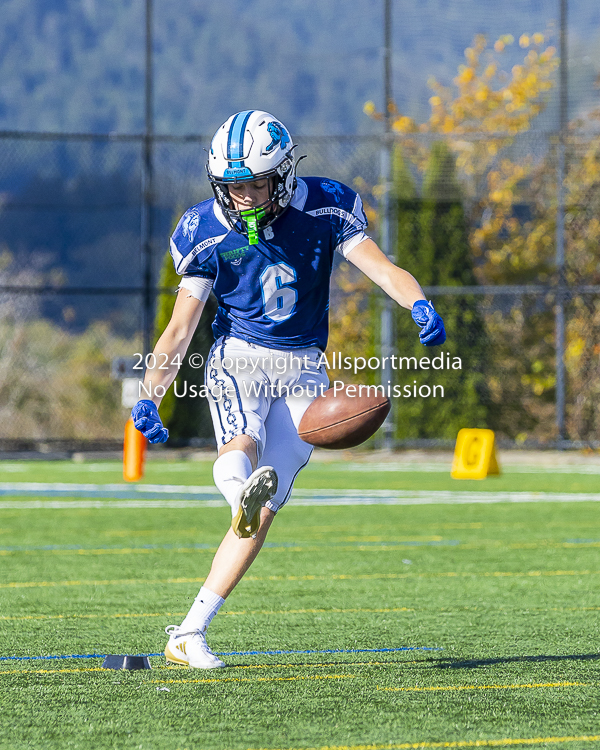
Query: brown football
pixel 344 417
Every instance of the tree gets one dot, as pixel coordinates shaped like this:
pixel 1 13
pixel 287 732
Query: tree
pixel 433 245
pixel 582 238
pixel 352 316
pixel 500 177
pixel 186 416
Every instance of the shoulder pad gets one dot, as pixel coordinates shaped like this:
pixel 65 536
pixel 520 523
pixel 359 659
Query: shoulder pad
pixel 196 235
pixel 323 191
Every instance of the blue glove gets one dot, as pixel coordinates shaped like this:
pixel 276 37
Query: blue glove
pixel 146 420
pixel 432 326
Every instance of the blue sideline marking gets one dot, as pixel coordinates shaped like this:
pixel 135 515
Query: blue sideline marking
pixel 242 653
pixel 333 651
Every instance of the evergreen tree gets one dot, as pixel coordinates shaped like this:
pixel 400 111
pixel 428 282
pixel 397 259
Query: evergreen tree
pixel 406 210
pixel 432 244
pixel 187 416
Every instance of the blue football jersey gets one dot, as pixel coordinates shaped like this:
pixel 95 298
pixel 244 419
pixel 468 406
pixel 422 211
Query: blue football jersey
pixel 274 293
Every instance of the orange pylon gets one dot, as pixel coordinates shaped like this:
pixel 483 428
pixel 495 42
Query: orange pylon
pixel 134 453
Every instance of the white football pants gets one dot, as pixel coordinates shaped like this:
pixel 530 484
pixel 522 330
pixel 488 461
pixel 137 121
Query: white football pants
pixel 263 393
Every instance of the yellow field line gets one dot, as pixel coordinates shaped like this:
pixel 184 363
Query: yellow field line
pixel 119 551
pixel 384 547
pixel 512 610
pixel 526 545
pixel 293 665
pixel 308 665
pixel 108 582
pixel 331 610
pixel 257 679
pixel 198 681
pixel 93 617
pixel 53 671
pixel 486 687
pixel 458 743
pixel 338 577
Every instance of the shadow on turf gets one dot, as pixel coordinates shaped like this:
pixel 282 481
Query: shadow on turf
pixel 471 663
pixel 437 663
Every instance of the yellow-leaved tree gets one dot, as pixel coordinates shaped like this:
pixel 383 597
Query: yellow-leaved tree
pixel 508 185
pixel 582 250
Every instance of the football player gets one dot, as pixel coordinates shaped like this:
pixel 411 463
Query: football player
pixel 265 246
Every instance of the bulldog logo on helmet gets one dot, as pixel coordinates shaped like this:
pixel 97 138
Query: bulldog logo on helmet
pixel 278 135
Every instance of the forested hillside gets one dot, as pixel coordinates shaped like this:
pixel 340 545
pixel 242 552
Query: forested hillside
pixel 77 65
pixel 70 208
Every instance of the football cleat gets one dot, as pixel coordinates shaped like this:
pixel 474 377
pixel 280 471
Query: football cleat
pixel 190 650
pixel 252 495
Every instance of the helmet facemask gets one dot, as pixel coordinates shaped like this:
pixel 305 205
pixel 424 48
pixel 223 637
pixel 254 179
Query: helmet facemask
pixel 248 221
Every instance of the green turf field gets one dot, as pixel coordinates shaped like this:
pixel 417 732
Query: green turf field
pixel 499 605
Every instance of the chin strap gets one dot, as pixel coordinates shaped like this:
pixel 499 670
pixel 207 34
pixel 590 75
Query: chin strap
pixel 251 218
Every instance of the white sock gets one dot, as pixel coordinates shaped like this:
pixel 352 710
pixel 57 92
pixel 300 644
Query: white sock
pixel 230 471
pixel 205 607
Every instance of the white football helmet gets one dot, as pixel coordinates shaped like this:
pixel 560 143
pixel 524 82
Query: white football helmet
pixel 252 145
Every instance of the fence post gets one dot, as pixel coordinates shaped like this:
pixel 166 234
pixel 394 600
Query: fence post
pixel 559 312
pixel 147 191
pixel 387 315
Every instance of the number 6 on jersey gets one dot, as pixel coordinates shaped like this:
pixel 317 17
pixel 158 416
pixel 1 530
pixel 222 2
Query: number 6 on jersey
pixel 279 299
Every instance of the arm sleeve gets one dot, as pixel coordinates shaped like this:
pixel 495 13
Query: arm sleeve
pixel 351 228
pixel 198 286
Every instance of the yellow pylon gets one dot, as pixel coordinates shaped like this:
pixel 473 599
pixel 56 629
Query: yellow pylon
pixel 474 455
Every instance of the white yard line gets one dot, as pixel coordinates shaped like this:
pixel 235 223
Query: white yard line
pixel 183 496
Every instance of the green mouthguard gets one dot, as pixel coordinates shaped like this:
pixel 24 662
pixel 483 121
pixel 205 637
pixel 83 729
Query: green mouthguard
pixel 252 216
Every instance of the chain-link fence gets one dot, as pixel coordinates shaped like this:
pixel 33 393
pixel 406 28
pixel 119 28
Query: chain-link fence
pixel 73 289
